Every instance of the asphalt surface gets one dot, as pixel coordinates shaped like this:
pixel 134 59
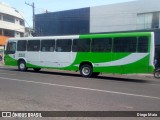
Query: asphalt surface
pixel 52 90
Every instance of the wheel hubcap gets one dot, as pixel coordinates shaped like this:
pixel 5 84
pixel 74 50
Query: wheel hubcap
pixel 157 74
pixel 86 71
pixel 22 66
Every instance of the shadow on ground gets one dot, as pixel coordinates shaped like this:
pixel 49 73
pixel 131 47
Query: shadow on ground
pixel 122 78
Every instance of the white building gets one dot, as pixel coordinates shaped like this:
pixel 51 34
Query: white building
pixel 11 23
pixel 134 15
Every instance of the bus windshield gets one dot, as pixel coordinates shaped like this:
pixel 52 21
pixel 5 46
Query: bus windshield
pixel 11 48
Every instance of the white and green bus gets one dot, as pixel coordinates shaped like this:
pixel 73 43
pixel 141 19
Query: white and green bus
pixel 91 54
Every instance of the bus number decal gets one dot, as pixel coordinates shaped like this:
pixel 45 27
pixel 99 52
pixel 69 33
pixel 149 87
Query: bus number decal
pixel 21 55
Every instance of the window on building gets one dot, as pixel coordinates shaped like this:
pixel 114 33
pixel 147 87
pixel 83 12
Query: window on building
pixel 101 45
pixel 9 33
pixel 125 44
pixel 63 45
pixel 21 34
pixel 81 45
pixel 22 22
pixel 33 45
pixel 144 21
pixel 21 45
pixel 143 44
pixel 9 18
pixel 47 45
pixel 155 20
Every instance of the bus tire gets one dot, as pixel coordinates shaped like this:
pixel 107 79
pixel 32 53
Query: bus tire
pixel 157 73
pixel 86 70
pixel 22 66
pixel 36 69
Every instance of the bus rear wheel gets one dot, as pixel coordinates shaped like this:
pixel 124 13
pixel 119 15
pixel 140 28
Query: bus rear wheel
pixel 157 73
pixel 86 70
pixel 22 66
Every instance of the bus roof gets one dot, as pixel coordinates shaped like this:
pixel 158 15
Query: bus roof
pixel 85 36
pixel 46 37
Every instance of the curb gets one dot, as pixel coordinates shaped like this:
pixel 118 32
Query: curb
pixel 1 64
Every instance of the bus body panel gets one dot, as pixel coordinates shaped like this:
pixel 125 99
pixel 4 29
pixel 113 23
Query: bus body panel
pixel 108 62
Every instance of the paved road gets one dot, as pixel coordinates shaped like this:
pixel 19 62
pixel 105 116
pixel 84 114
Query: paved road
pixel 50 90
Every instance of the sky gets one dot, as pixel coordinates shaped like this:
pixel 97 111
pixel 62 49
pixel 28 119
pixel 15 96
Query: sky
pixel 54 5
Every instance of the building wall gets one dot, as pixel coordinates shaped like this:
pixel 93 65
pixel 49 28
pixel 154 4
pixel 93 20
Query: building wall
pixel 128 16
pixel 11 21
pixel 7 9
pixel 135 15
pixel 11 26
pixel 63 23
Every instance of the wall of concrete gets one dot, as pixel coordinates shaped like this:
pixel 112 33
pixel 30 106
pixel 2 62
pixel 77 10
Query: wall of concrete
pixel 120 17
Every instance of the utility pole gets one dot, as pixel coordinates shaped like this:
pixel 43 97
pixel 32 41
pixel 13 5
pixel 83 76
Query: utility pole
pixel 33 9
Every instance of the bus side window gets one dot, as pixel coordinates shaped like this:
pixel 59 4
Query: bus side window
pixel 81 45
pixel 43 49
pixel 33 45
pixel 101 45
pixel 63 45
pixel 47 45
pixel 75 45
pixel 51 49
pixel 21 45
pixel 125 44
pixel 143 44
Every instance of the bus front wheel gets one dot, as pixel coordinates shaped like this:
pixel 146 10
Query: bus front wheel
pixel 86 70
pixel 22 66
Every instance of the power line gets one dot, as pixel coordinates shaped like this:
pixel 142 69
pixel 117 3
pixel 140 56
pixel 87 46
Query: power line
pixel 24 19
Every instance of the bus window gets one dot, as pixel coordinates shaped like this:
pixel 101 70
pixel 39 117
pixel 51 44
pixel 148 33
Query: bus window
pixel 47 45
pixel 125 44
pixel 101 45
pixel 63 45
pixel 143 44
pixel 81 45
pixel 21 45
pixel 33 45
pixel 11 48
